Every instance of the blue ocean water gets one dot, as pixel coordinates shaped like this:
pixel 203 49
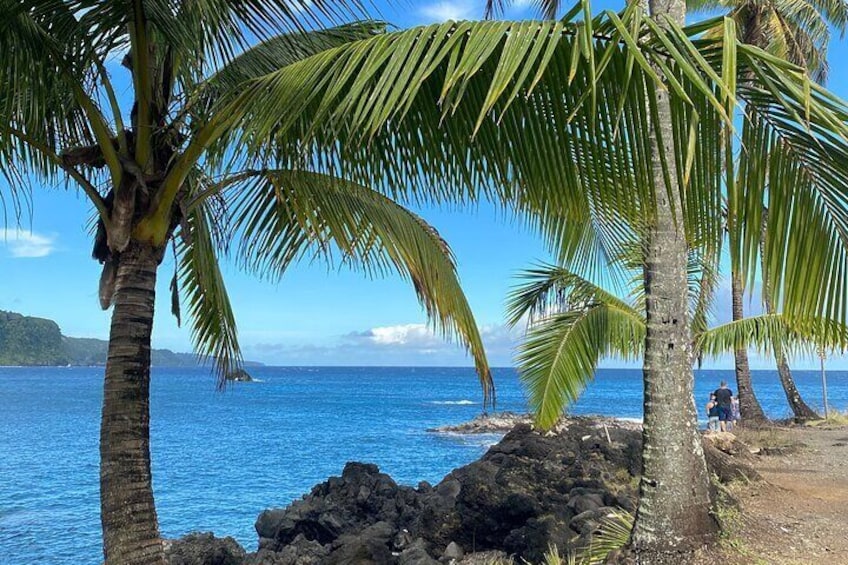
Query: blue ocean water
pixel 221 458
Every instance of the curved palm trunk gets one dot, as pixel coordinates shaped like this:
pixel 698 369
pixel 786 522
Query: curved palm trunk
pixel 800 409
pixel 749 406
pixel 674 503
pixel 128 514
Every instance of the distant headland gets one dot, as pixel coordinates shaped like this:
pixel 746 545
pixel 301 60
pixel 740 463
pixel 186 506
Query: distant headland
pixel 34 342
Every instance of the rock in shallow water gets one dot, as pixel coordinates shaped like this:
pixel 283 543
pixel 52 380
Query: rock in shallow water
pixel 204 549
pixel 239 375
pixel 499 422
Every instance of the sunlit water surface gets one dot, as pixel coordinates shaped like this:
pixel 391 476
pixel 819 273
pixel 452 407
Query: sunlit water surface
pixel 221 458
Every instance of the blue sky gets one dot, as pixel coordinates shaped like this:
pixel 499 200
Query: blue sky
pixel 312 316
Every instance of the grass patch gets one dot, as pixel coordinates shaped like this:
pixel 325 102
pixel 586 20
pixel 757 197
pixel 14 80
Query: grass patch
pixel 731 523
pixel 766 438
pixel 553 557
pixel 729 518
pixel 834 418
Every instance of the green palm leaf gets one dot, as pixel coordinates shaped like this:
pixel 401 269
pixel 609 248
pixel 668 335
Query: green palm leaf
pixel 212 321
pixel 769 333
pixel 549 288
pixel 43 94
pixel 573 324
pixel 283 215
pixel 274 53
pixel 559 355
pixel 806 242
pixel 517 117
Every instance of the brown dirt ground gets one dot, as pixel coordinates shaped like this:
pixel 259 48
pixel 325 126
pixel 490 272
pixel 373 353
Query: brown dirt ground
pixel 798 513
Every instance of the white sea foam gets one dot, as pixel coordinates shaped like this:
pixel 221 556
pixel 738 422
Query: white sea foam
pixel 453 402
pixel 633 420
pixel 484 441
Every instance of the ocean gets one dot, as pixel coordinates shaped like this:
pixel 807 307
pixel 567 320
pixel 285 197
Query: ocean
pixel 220 458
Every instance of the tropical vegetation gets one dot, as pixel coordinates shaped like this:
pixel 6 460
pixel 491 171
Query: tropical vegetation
pixel 27 340
pixel 798 33
pixel 667 357
pixel 558 117
pixel 164 174
pixel 30 341
pixel 573 323
pixel 599 129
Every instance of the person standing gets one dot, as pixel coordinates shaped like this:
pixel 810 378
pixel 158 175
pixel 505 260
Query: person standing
pixel 724 398
pixel 712 414
pixel 735 414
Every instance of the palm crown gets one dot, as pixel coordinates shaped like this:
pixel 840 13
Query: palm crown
pixel 164 167
pixel 795 30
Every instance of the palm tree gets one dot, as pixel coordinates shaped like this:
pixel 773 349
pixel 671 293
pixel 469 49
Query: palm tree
pixel 557 117
pixel 749 406
pixel 159 169
pixel 798 33
pixel 667 365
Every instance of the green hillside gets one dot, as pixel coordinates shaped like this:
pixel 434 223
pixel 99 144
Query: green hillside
pixel 29 341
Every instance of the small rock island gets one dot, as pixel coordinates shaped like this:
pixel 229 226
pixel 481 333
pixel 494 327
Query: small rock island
pixel 239 375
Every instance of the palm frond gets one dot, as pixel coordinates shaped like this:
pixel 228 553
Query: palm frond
pixel 803 182
pixel 274 53
pixel 773 332
pixel 281 215
pixel 480 152
pixel 559 354
pixel 48 67
pixel 550 289
pixel 613 533
pixel 707 5
pixel 522 107
pixel 211 317
pixel 203 35
pixel 703 277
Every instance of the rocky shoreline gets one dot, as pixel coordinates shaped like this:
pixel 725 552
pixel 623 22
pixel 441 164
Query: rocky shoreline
pixel 529 491
pixel 503 422
pixel 499 422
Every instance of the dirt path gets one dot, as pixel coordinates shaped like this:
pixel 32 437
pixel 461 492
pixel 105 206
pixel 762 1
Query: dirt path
pixel 799 514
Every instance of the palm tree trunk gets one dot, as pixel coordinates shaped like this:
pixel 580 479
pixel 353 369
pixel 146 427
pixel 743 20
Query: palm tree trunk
pixel 128 514
pixel 800 409
pixel 749 406
pixel 674 503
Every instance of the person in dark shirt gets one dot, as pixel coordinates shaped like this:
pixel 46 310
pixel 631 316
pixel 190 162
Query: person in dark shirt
pixel 724 398
pixel 712 414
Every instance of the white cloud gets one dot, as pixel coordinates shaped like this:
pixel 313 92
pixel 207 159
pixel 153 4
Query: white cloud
pixel 26 244
pixel 415 335
pixel 451 10
pixel 403 344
